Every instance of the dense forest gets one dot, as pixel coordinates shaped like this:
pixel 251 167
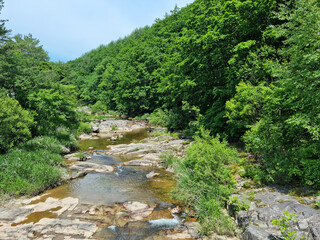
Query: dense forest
pixel 226 72
pixel 246 70
pixel 37 116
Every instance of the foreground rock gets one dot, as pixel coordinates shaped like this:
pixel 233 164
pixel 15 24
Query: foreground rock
pixel 86 167
pixel 269 203
pixel 76 157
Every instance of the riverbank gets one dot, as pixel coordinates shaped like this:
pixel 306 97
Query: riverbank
pixel 107 197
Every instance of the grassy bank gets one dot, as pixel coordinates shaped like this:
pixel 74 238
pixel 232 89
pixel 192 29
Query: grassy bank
pixel 205 182
pixel 34 166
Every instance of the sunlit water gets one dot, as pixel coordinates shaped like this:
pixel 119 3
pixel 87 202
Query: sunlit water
pixel 126 183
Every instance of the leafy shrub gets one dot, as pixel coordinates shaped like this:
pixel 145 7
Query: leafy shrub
pixel 158 117
pixel 84 128
pixel 284 225
pixel 99 108
pixel 143 117
pixel 50 144
pixel 15 123
pixel 168 158
pixel 206 182
pixel 66 138
pixel 238 204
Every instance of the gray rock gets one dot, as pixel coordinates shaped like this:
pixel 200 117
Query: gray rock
pixel 139 162
pixel 65 150
pixel 314 233
pixel 152 174
pixel 303 225
pixel 90 167
pixel 14 213
pixel 75 157
pixel 255 233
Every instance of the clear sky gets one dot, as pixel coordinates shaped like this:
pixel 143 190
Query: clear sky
pixel 69 28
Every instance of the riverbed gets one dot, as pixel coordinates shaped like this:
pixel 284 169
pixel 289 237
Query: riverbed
pixel 130 202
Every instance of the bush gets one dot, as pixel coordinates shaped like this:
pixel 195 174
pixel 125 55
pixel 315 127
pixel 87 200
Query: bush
pixel 66 138
pixel 99 108
pixel 84 128
pixel 158 117
pixel 15 123
pixel 206 182
pixel 50 144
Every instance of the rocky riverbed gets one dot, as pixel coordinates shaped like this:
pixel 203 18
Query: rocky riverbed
pixel 114 191
pixel 268 203
pixel 117 188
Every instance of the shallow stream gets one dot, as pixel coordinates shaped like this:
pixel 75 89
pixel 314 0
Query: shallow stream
pixel 125 184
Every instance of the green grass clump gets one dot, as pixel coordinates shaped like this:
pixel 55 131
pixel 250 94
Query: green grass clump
pixel 205 182
pixel 50 144
pixel 33 166
pixel 66 138
pixel 84 128
pixel 24 172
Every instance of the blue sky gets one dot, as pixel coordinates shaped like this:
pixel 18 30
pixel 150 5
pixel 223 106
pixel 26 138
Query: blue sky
pixel 69 28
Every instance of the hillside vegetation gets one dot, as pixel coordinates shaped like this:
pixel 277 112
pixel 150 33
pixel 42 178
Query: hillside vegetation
pixel 37 117
pixel 246 70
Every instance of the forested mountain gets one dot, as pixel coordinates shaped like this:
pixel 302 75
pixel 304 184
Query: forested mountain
pixel 37 115
pixel 246 70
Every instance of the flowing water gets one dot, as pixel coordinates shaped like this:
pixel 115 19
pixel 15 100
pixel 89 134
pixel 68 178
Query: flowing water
pixel 126 183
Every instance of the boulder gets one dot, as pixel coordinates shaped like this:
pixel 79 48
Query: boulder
pixel 76 157
pixel 255 233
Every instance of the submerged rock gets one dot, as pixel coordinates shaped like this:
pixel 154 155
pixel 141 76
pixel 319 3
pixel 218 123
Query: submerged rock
pixel 152 174
pixel 138 211
pixel 76 157
pixel 90 167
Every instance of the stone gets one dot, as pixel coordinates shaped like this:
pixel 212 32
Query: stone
pixel 255 233
pixel 303 225
pixel 13 213
pixel 314 233
pixel 139 162
pixel 90 167
pixel 75 157
pixel 113 139
pixel 65 227
pixel 138 211
pixel 152 174
pixel 182 235
pixel 65 150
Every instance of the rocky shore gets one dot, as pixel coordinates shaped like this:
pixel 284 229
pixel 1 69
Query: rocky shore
pixel 48 216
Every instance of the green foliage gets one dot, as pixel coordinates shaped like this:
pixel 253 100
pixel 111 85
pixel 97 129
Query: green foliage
pixel 205 181
pixel 29 172
pixel 99 108
pixel 158 117
pixel 246 70
pixel 15 123
pixel 168 158
pixel 284 225
pixel 318 204
pixel 52 110
pixel 50 144
pixel 114 128
pixel 239 205
pixel 66 138
pixel 84 128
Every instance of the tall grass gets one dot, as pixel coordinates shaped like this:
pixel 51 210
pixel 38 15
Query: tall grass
pixel 205 182
pixel 33 166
